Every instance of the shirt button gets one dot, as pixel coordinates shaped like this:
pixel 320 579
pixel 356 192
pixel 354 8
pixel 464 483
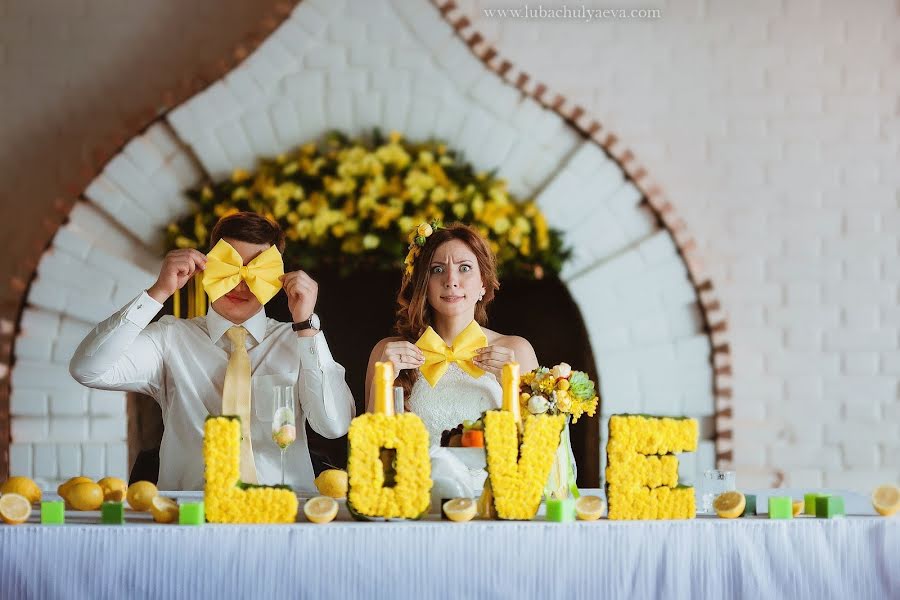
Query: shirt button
pixel 312 350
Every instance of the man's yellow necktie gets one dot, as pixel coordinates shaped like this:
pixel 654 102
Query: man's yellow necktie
pixel 236 397
pixel 225 269
pixel 438 355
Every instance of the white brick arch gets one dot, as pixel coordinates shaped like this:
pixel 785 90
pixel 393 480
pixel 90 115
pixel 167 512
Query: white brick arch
pixel 398 65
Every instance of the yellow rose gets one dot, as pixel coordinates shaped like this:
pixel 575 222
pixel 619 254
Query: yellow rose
pixel 425 230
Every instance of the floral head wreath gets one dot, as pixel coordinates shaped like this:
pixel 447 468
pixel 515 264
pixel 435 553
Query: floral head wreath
pixel 417 239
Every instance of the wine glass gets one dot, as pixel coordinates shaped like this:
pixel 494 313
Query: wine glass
pixel 284 430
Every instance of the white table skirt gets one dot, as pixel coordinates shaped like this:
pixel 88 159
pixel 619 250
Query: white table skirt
pixel 854 557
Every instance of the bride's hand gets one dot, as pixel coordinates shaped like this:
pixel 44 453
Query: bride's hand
pixel 404 355
pixel 492 358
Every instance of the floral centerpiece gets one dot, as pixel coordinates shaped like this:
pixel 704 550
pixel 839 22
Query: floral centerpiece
pixel 559 391
pixel 348 204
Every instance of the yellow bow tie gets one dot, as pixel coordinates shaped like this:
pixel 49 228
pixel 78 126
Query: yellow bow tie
pixel 225 269
pixel 438 355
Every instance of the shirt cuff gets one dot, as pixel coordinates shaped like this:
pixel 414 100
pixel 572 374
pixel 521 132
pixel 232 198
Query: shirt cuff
pixel 142 309
pixel 314 352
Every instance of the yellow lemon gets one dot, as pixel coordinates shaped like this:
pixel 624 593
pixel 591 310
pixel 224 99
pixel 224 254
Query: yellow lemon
pixel 321 509
pixel 589 508
pixel 796 507
pixel 85 496
pixel 22 486
pixel 332 482
pixel 730 505
pixel 114 489
pixel 64 488
pixel 460 510
pixel 14 508
pixel 140 495
pixel 164 510
pixel 886 499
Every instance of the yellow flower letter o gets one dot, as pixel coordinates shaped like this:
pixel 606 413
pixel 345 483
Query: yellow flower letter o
pixel 642 471
pixel 226 500
pixel 410 495
pixel 518 483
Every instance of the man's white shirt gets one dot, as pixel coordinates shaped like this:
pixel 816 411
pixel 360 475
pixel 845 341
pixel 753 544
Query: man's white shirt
pixel 181 364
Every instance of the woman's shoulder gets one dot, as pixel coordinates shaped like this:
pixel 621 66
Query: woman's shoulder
pixel 514 342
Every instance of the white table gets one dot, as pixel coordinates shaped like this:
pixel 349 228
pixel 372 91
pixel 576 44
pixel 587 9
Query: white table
pixel 853 557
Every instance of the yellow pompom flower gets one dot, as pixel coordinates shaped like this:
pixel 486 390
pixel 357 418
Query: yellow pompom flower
pixel 226 499
pixel 368 496
pixel 642 472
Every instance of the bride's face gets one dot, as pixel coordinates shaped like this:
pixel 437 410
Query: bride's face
pixel 454 280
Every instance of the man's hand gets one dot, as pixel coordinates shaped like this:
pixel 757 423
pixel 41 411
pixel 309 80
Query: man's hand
pixel 302 293
pixel 177 268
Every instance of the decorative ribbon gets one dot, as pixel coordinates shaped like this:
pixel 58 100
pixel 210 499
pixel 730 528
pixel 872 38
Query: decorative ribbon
pixel 225 269
pixel 438 355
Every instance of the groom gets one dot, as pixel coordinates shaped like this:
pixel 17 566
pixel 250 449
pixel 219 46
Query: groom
pixel 227 362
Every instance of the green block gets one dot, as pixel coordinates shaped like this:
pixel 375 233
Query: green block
pixel 809 503
pixel 53 512
pixel 750 506
pixel 828 507
pixel 191 513
pixel 112 513
pixel 780 507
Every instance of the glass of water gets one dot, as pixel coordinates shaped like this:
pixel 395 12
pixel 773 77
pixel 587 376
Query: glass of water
pixel 716 482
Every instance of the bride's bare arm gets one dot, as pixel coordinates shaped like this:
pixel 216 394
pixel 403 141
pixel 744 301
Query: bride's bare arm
pixel 401 353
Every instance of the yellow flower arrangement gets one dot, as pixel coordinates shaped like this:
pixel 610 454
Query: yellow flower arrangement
pixel 517 475
pixel 368 496
pixel 642 472
pixel 559 390
pixel 227 499
pixel 384 187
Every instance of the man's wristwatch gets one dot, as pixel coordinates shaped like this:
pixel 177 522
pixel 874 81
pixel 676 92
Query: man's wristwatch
pixel 311 323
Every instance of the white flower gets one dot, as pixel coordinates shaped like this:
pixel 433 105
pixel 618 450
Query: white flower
pixel 538 405
pixel 562 370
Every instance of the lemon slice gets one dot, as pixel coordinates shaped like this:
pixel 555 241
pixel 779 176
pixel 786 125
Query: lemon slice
pixel 332 482
pixel 460 510
pixel 14 508
pixel 730 505
pixel 22 486
pixel 886 499
pixel 589 508
pixel 321 509
pixel 164 510
pixel 796 507
pixel 140 495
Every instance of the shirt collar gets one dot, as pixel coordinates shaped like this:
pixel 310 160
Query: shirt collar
pixel 217 325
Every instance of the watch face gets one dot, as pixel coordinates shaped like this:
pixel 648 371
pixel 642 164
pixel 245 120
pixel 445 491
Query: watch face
pixel 314 321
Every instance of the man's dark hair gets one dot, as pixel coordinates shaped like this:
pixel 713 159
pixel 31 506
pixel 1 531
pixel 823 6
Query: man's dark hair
pixel 248 227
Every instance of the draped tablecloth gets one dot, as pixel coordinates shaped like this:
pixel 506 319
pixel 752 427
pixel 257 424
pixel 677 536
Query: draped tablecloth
pixel 853 557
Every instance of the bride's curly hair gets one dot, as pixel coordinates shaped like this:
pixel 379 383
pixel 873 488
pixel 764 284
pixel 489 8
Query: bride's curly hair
pixel 414 313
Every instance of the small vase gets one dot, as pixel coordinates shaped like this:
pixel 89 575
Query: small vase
pixel 561 482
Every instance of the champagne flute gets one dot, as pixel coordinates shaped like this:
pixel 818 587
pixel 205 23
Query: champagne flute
pixel 284 430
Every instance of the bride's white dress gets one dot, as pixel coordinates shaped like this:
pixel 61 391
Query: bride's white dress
pixel 456 397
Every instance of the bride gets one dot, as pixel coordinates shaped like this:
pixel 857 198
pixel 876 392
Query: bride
pixel 449 282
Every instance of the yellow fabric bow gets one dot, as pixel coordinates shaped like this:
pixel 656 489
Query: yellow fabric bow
pixel 438 355
pixel 225 269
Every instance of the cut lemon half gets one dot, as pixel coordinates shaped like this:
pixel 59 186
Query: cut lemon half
pixel 730 505
pixel 589 508
pixel 321 509
pixel 460 510
pixel 14 508
pixel 164 510
pixel 886 499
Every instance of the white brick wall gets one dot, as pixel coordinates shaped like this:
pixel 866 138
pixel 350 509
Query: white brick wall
pixel 773 129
